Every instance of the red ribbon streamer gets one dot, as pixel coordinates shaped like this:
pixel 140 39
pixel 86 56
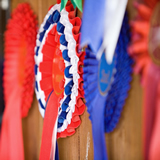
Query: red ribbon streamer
pixel 11 137
pixel 144 49
pixel 152 113
pixel 154 153
pixel 51 114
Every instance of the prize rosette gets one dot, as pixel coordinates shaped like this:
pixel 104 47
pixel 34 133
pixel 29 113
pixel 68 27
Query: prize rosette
pixel 58 70
pixel 19 44
pixel 145 50
pixel 106 87
pixel 18 79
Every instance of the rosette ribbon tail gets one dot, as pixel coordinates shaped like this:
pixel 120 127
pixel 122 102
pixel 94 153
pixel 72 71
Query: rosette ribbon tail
pixel 57 153
pixel 49 134
pixel 155 140
pixel 11 140
pixel 100 151
pixel 95 104
pixel 151 113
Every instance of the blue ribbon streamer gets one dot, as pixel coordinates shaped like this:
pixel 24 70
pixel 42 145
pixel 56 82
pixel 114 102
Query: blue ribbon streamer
pixel 92 28
pixel 95 105
pixel 56 153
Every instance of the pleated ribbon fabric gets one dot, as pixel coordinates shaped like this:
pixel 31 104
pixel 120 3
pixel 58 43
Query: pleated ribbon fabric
pixel 58 73
pixel 106 88
pixel 18 80
pixel 145 51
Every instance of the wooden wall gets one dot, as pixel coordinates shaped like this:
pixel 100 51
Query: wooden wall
pixel 124 143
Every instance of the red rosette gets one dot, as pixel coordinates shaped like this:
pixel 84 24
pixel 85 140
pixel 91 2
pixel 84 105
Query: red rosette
pixel 20 40
pixel 18 80
pixel 145 50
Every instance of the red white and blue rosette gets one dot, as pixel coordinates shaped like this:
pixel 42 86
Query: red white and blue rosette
pixel 58 67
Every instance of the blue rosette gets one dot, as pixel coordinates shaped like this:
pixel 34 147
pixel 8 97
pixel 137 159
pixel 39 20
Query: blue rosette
pixel 105 94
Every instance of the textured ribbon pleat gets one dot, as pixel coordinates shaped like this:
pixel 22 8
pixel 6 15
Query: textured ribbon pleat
pixel 11 146
pixel 150 97
pixel 48 127
pixel 58 1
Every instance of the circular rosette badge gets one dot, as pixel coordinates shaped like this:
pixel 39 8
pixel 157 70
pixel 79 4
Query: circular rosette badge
pixel 20 41
pixel 58 67
pixel 145 49
pixel 145 44
pixel 106 74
